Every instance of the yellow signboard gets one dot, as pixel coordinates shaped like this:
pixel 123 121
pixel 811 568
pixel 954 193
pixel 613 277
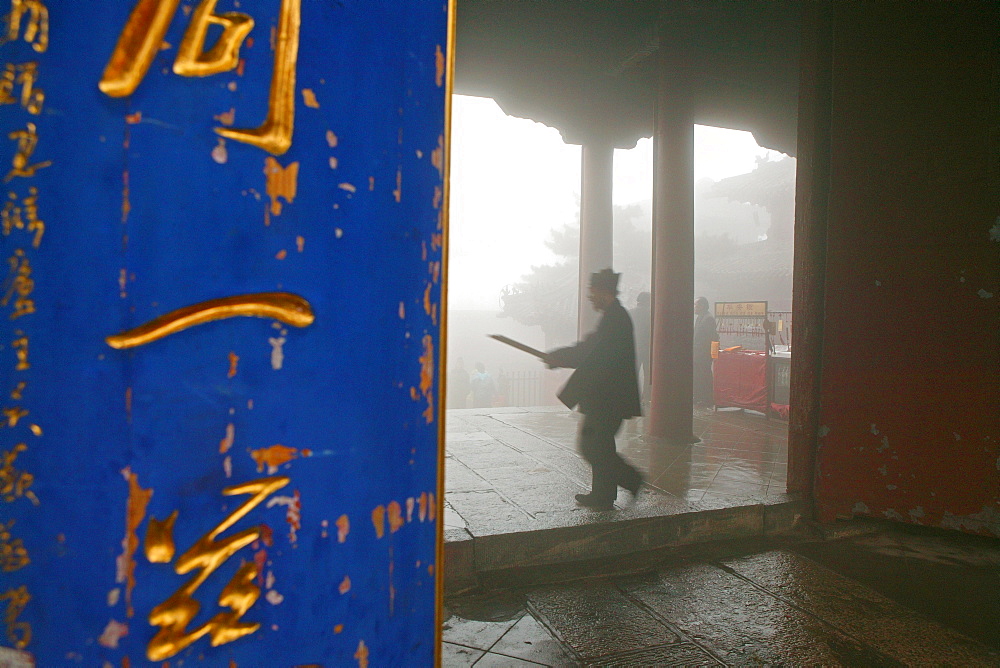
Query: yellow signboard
pixel 741 309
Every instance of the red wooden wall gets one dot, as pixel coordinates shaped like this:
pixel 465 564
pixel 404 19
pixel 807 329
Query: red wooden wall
pixel 898 264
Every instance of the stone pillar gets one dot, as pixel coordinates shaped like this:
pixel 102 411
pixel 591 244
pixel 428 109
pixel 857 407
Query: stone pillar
pixel 596 238
pixel 673 247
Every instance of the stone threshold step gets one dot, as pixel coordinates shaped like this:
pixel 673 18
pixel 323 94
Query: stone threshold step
pixel 470 561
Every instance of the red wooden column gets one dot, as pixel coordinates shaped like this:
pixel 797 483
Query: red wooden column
pixel 673 246
pixel 596 239
pixel 812 184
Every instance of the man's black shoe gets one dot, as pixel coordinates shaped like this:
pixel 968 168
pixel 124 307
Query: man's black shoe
pixel 635 485
pixel 589 501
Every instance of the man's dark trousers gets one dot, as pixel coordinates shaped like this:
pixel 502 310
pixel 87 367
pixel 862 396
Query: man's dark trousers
pixel 597 445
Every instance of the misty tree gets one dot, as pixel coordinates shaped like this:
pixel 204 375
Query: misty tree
pixel 760 270
pixel 547 296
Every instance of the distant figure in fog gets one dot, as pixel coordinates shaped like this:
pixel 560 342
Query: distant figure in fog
pixel 642 322
pixel 458 385
pixel 483 387
pixel 503 389
pixel 606 389
pixel 704 334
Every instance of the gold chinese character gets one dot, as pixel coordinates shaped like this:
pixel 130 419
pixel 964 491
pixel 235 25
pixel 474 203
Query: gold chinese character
pixel 147 25
pixel 207 555
pixel 31 215
pixel 21 285
pixel 15 484
pixel 13 555
pixel 36 29
pixel 27 141
pixel 14 415
pixel 11 215
pixel 20 345
pixel 26 75
pixel 18 633
pixel 193 61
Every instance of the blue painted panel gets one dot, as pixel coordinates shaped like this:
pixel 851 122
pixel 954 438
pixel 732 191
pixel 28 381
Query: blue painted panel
pixel 147 210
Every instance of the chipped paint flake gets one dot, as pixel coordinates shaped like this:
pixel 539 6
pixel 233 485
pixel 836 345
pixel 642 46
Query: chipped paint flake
pixel 333 163
pixel 227 441
pixel 395 517
pixel 113 632
pixel 309 98
pixel 402 311
pixel 293 513
pixel 410 503
pixel 220 154
pixel 860 509
pixel 423 507
pixel 378 521
pixel 275 456
pixel 227 118
pixel 427 377
pixel 331 139
pixel 227 466
pixel 362 655
pixel 824 431
pixel 986 521
pixel 343 528
pixel 349 187
pixel 985 294
pixel 345 585
pixel 234 361
pixel 300 243
pixel 281 255
pixel 339 628
pixel 437 156
pixel 277 352
pixel 135 512
pixel 273 597
pixel 874 429
pixel 281 182
pixel 397 193
pixel 995 231
pixel 113 596
pixel 439 63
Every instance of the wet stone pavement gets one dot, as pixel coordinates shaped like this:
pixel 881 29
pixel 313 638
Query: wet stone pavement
pixel 712 565
pixel 774 607
pixel 512 473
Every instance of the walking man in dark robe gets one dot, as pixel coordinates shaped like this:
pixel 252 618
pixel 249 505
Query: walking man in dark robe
pixel 606 389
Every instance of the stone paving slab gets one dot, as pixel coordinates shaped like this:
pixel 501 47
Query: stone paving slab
pixel 598 620
pixel 857 610
pixel 681 654
pixel 743 625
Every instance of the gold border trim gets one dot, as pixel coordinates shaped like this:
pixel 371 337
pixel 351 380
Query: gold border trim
pixel 443 343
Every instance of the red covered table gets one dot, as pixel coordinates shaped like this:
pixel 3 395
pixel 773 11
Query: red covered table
pixel 741 380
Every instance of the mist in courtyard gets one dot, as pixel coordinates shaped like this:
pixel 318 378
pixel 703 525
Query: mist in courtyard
pixel 514 240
